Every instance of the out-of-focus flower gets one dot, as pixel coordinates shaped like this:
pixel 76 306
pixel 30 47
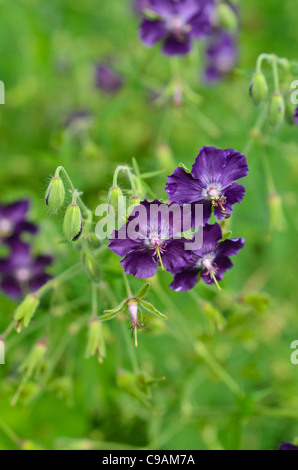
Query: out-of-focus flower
pixel 154 243
pixel 139 6
pixel 176 23
pixel 211 182
pixel 107 79
pixel 221 55
pixel 211 261
pixel 287 446
pixel 78 120
pixel 21 272
pixel 13 221
pixel 296 116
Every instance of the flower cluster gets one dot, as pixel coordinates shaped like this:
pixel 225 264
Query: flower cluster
pixel 158 240
pixel 221 50
pixel 21 271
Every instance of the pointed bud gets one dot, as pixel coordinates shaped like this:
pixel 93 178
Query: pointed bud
pixel 277 110
pixel 96 343
pixel 227 18
pixel 117 201
pixel 258 88
pixel 33 362
pixel 91 266
pixel 73 224
pixel 25 311
pixel 133 201
pixel 55 194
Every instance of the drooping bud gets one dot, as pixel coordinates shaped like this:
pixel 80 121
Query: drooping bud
pixel 277 110
pixel 258 88
pixel 116 201
pixel 55 194
pixel 32 364
pixel 96 343
pixel 25 311
pixel 91 266
pixel 227 18
pixel 133 201
pixel 73 224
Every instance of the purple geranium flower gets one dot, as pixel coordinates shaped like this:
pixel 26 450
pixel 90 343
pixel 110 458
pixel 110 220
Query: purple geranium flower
pixel 13 220
pixel 176 23
pixel 296 116
pixel 221 55
pixel 211 261
pixel 287 446
pixel 22 272
pixel 154 242
pixel 211 182
pixel 107 79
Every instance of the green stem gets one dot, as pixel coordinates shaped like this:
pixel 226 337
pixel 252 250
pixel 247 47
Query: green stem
pixel 83 206
pixel 10 433
pixel 256 130
pixel 94 301
pixel 127 286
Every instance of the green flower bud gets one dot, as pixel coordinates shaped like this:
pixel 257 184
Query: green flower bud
pixel 55 194
pixel 227 18
pixel 258 88
pixel 33 362
pixel 277 110
pixel 133 201
pixel 25 311
pixel 117 201
pixel 91 266
pixel 96 343
pixel 73 224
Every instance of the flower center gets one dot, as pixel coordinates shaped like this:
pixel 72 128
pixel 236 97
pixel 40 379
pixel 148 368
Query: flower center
pixel 23 275
pixel 208 265
pixel 218 199
pixel 6 227
pixel 176 25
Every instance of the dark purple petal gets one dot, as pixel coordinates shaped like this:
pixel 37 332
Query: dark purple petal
pixel 16 211
pixel 182 188
pixel 235 168
pixel 209 165
pixel 164 8
pixel 184 281
pixel 11 287
pixel 287 446
pixel 230 247
pixel 296 116
pixel 234 194
pixel 222 263
pixel 140 264
pixel 26 227
pixel 152 31
pixel 221 55
pixel 175 255
pixel 211 235
pixel 177 45
pixel 200 25
pixel 121 244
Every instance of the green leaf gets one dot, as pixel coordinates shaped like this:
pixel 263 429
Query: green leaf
pixel 225 235
pixel 143 291
pixel 184 167
pixel 109 314
pixel 151 174
pixel 149 308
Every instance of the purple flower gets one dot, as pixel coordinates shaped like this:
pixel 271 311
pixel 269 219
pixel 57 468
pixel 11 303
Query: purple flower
pixel 211 182
pixel 13 220
pixel 296 116
pixel 140 5
pixel 221 55
pixel 22 272
pixel 210 261
pixel 176 23
pixel 107 79
pixel 153 244
pixel 287 446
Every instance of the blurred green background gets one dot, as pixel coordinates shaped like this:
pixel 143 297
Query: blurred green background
pixel 49 50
